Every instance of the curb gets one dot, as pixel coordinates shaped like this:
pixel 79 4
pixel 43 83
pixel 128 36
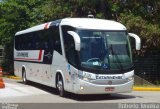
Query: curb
pixel 13 77
pixel 146 88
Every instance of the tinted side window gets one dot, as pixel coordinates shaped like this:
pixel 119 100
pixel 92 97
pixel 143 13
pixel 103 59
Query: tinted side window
pixel 57 41
pixel 43 39
pixel 69 45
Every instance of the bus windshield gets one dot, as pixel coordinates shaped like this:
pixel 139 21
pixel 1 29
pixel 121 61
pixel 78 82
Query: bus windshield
pixel 105 50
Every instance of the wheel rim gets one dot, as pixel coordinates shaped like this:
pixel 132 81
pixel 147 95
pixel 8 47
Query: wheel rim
pixel 24 76
pixel 60 86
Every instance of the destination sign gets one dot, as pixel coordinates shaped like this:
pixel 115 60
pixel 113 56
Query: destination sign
pixel 108 77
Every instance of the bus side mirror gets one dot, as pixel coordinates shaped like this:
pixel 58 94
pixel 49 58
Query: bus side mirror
pixel 76 39
pixel 137 40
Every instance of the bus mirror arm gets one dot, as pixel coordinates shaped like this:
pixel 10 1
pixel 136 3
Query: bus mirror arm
pixel 76 39
pixel 137 40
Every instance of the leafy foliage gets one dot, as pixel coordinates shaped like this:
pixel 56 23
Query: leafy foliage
pixel 16 15
pixel 139 16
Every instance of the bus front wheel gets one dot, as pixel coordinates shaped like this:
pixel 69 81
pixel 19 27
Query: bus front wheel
pixel 60 85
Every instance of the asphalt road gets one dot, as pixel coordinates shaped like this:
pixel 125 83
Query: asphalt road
pixel 16 92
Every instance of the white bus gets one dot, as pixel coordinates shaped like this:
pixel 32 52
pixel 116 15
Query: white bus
pixel 78 55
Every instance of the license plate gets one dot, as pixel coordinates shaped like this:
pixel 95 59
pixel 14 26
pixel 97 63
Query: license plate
pixel 109 89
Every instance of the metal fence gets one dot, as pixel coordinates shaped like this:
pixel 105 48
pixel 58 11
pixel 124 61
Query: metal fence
pixel 147 67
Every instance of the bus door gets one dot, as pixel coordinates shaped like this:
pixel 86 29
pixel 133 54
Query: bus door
pixel 73 74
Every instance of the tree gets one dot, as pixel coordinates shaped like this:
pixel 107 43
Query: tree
pixel 16 15
pixel 139 16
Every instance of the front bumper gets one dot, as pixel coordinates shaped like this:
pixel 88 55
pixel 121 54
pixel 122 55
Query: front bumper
pixel 84 87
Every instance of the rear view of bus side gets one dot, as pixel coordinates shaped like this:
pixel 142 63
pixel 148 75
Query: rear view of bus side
pixel 78 55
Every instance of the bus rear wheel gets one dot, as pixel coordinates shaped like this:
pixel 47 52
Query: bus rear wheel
pixel 24 79
pixel 60 85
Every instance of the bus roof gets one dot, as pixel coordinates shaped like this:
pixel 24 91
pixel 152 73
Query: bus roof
pixel 82 23
pixel 92 23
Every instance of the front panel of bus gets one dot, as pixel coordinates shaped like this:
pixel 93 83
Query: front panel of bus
pixel 104 62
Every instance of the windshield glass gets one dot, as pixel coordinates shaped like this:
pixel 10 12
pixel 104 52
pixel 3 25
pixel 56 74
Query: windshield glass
pixel 105 49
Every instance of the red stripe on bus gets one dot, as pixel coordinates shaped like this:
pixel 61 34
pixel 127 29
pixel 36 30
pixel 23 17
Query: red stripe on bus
pixel 26 59
pixel 29 59
pixel 40 55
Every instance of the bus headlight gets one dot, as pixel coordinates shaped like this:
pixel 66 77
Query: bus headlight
pixel 130 78
pixel 86 76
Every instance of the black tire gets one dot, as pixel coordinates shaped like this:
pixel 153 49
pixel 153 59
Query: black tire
pixel 24 79
pixel 60 85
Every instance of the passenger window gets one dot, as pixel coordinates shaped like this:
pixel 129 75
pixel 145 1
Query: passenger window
pixel 40 40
